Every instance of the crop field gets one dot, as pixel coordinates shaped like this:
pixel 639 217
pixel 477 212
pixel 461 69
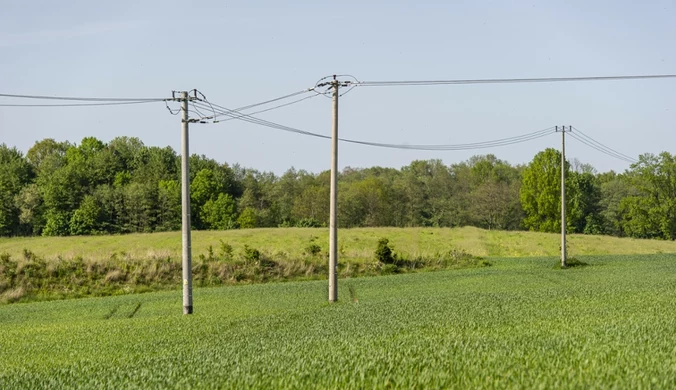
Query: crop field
pixel 520 323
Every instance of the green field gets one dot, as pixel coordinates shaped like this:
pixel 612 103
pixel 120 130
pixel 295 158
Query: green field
pixel 518 324
pixel 354 244
pixel 47 268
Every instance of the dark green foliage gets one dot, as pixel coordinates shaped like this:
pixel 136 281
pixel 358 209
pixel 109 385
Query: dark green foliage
pixel 225 250
pixel 15 173
pixel 248 219
pixel 384 253
pixel 251 254
pixel 312 249
pixel 651 211
pixel 308 223
pixel 541 192
pixel 124 186
pixel 585 203
pixel 219 214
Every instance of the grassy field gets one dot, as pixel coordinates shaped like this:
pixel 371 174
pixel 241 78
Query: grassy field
pixel 355 245
pixel 47 268
pixel 518 324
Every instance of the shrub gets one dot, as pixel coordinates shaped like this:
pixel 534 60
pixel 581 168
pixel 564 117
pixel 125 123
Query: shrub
pixel 384 253
pixel 226 250
pixel 247 219
pixel 251 254
pixel 312 249
pixel 389 269
pixel 28 254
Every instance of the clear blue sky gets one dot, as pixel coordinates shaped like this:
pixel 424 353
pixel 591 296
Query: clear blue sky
pixel 243 52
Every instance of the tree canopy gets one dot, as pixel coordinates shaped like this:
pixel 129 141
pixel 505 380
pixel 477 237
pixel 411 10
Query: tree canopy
pixel 124 186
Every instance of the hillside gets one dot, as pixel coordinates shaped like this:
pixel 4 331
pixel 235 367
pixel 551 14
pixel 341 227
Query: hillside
pixel 356 245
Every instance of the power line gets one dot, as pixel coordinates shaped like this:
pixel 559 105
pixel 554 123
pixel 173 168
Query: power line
pixel 506 81
pixel 267 109
pixel 469 146
pixel 85 99
pixel 592 143
pixel 590 139
pixel 79 104
pixel 600 150
pixel 251 119
pixel 203 117
pixel 274 100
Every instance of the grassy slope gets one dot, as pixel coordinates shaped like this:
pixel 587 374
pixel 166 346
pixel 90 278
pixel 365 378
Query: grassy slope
pixel 518 324
pixel 355 244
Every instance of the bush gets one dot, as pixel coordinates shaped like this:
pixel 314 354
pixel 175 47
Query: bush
pixel 247 219
pixel 226 250
pixel 251 254
pixel 312 249
pixel 384 253
pixel 389 269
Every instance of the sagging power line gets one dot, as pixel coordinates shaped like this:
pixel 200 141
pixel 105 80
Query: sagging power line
pixel 235 114
pixel 592 143
pixel 81 104
pixel 82 99
pixel 578 135
pixel 397 83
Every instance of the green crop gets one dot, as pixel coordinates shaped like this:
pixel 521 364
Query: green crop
pixel 518 324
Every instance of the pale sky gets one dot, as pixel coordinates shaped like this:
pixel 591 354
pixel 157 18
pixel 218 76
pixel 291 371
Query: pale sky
pixel 243 52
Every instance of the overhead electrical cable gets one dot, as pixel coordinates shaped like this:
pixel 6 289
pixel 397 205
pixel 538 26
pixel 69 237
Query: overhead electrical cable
pixel 83 99
pixel 81 104
pixel 274 100
pixel 248 118
pixel 396 83
pixel 267 109
pixel 582 140
pixel 468 146
pixel 600 145
pixel 579 136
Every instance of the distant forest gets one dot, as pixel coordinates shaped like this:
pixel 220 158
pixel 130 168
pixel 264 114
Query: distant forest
pixel 60 188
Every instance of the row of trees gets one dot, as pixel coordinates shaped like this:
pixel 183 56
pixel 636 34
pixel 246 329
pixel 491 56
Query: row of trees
pixel 59 188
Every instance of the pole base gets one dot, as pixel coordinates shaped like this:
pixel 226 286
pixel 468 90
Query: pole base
pixel 187 309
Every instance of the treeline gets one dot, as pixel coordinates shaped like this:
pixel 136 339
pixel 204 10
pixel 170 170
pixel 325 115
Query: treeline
pixel 123 186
